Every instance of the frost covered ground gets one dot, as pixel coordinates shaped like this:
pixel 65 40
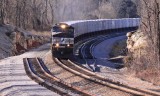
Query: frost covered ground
pixel 14 80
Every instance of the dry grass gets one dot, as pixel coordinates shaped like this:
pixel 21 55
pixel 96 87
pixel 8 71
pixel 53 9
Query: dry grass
pixel 144 65
pixel 150 75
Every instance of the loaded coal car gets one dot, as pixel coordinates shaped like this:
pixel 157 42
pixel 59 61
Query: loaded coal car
pixel 62 40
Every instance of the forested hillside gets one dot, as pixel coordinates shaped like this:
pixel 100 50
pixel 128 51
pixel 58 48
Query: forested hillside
pixel 42 14
pixel 94 9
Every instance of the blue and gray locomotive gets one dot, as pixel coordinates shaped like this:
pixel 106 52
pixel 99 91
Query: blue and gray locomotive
pixel 62 40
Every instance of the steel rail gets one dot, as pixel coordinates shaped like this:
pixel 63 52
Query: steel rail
pixel 32 73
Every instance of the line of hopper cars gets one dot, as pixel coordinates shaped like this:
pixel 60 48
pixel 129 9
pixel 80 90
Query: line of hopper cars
pixel 64 33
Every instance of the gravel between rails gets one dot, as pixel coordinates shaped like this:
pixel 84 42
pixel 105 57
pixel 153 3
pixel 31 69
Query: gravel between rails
pixel 83 83
pixel 53 83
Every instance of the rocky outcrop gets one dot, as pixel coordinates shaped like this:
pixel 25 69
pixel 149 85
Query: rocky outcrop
pixel 136 42
pixel 141 58
pixel 14 41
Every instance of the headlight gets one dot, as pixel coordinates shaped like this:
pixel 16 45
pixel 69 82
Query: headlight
pixel 57 44
pixel 63 26
pixel 68 45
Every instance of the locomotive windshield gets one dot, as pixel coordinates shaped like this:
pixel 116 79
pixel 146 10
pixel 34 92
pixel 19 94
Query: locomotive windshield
pixel 56 29
pixel 63 31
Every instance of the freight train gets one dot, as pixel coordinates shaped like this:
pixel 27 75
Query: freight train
pixel 64 33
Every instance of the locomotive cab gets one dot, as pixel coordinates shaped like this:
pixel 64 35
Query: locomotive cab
pixel 62 40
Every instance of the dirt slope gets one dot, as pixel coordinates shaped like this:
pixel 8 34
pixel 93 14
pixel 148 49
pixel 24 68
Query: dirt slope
pixel 14 41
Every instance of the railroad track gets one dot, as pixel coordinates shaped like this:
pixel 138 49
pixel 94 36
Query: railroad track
pixel 69 79
pixel 108 82
pixel 89 50
pixel 82 81
pixel 86 49
pixel 62 80
pixel 38 72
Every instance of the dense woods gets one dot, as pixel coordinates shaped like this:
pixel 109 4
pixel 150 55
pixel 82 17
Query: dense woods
pixel 42 14
pixel 94 9
pixel 32 14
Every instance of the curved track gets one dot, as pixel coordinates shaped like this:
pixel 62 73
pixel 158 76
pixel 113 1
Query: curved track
pixel 66 78
pixel 69 79
pixel 86 49
pixel 108 82
pixel 37 71
pixel 77 78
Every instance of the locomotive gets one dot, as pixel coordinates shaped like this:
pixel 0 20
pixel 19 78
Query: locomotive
pixel 62 39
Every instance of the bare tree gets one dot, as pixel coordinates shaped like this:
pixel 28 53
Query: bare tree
pixel 27 14
pixel 148 63
pixel 150 25
pixel 2 11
